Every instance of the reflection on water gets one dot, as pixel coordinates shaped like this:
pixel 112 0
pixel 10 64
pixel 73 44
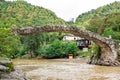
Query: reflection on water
pixel 64 69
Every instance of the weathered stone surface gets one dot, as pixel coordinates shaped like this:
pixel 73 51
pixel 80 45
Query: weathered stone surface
pixel 108 52
pixel 3 68
pixel 14 75
pixel 7 71
pixel 8 64
pixel 27 56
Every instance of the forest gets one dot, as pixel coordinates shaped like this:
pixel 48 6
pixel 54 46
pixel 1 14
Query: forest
pixel 104 20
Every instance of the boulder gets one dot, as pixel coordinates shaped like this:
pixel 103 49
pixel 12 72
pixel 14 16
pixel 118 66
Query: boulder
pixel 3 68
pixel 14 75
pixel 8 64
pixel 7 71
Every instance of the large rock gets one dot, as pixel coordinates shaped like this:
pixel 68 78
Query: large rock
pixel 3 68
pixel 8 64
pixel 7 71
pixel 14 75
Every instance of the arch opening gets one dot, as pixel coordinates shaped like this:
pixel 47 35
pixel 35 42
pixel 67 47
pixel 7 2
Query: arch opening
pixel 108 53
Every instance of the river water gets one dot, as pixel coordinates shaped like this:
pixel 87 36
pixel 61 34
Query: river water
pixel 64 69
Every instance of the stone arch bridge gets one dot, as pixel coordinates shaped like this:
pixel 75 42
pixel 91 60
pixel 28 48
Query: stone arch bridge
pixel 108 52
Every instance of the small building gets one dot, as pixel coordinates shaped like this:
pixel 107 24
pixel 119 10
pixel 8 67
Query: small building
pixel 70 38
pixel 83 43
pixel 80 42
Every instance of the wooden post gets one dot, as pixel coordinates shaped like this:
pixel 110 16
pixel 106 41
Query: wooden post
pixel 70 56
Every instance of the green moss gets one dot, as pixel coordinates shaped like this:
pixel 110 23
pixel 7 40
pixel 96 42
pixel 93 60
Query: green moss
pixel 83 54
pixel 8 64
pixel 119 56
pixel 97 51
pixel 2 57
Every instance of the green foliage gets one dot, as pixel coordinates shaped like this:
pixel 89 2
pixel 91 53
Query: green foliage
pixel 2 56
pixel 84 53
pixel 22 14
pixel 53 50
pixel 21 51
pixel 9 65
pixel 32 42
pixel 109 31
pixel 71 48
pixel 58 49
pixel 105 20
pixel 96 52
pixel 118 55
pixel 100 12
pixel 8 42
pixel 113 27
pixel 94 24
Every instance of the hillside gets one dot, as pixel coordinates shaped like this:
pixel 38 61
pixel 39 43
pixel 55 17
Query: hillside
pixel 104 20
pixel 22 14
pixel 102 11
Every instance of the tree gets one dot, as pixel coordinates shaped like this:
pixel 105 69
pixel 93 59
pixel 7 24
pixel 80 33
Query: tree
pixel 22 14
pixel 94 24
pixel 8 42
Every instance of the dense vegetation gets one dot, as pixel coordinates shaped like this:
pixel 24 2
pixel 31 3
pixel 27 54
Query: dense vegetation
pixel 22 14
pixel 104 20
pixel 58 49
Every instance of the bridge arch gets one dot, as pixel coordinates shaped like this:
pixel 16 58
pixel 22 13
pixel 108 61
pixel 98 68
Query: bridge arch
pixel 107 47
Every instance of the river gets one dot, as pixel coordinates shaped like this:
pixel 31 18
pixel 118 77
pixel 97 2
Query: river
pixel 64 69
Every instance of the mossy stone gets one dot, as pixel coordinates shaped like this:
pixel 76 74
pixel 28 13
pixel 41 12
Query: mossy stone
pixel 7 64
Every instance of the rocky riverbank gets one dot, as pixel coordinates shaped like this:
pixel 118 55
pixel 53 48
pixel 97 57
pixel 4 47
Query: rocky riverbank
pixel 7 71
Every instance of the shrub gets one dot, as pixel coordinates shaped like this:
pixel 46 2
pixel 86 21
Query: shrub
pixel 57 49
pixel 21 52
pixel 71 48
